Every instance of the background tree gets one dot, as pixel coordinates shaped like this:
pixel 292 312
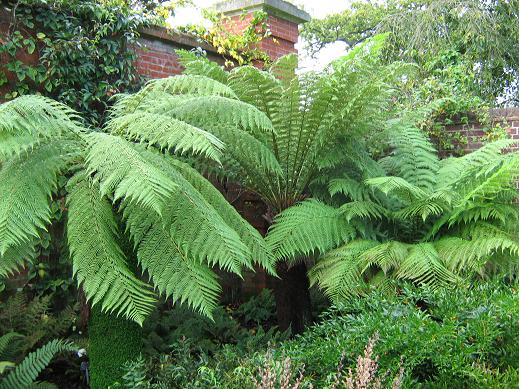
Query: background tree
pixel 480 35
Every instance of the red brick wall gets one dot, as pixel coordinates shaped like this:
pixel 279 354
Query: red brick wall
pixel 156 56
pixel 152 62
pixel 475 132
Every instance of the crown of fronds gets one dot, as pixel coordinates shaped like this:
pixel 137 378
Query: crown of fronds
pixel 309 113
pixel 130 201
pixel 436 222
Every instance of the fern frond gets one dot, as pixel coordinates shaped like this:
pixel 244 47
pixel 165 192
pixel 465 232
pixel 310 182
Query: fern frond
pixel 176 275
pixel 499 176
pixel 339 272
pixel 362 210
pixel 190 84
pixel 465 256
pixel 349 187
pixel 397 186
pixel 37 116
pixel 284 68
pixel 122 170
pixel 254 86
pixel 28 370
pixel 423 264
pixel 14 145
pixel 27 183
pixel 216 109
pixel 306 228
pixel 197 65
pixel 386 255
pixel 434 205
pixel 414 158
pixel 167 133
pixel 194 224
pixel 257 160
pixel 98 262
pixel 6 339
pixel 482 211
pixel 454 169
pixel 259 249
pixel 16 257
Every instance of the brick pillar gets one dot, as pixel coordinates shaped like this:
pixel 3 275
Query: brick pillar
pixel 283 20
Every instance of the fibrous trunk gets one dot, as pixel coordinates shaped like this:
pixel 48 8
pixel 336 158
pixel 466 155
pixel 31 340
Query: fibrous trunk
pixel 112 342
pixel 292 296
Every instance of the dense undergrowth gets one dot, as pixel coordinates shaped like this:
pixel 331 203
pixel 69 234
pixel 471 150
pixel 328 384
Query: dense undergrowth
pixel 454 338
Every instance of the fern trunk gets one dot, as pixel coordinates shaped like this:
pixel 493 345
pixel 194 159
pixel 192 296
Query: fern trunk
pixel 113 341
pixel 291 291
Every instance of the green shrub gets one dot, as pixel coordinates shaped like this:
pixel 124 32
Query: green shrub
pixel 453 338
pixel 446 338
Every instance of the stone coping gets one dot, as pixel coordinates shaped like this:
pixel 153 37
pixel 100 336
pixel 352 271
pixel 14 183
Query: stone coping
pixel 280 8
pixel 179 38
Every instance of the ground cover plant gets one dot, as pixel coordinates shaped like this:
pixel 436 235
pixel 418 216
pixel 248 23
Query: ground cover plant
pixel 456 338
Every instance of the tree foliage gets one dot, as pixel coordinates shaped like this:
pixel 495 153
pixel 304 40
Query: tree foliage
pixel 479 37
pixel 84 50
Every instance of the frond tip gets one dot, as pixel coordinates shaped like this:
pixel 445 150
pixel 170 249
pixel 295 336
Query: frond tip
pixel 98 262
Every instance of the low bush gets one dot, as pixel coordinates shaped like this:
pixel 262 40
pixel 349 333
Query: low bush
pixel 445 337
pixel 453 338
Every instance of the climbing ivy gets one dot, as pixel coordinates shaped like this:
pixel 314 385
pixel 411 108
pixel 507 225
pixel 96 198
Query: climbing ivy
pixel 236 48
pixel 79 52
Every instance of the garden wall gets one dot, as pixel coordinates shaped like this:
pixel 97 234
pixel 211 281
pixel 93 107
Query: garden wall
pixel 475 133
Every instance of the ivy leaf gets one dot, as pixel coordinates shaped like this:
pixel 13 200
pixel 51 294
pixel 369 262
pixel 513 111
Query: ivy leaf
pixel 31 46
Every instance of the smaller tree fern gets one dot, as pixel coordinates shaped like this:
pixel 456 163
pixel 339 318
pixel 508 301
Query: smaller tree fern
pixel 414 217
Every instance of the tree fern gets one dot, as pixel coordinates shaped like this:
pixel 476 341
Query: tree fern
pixel 114 183
pixel 314 122
pixel 28 370
pixel 439 222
